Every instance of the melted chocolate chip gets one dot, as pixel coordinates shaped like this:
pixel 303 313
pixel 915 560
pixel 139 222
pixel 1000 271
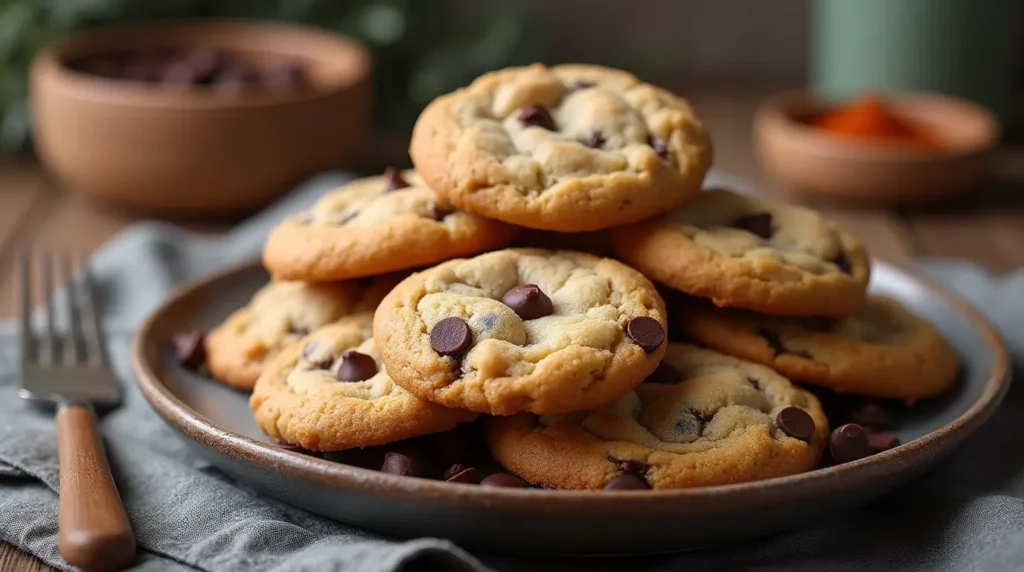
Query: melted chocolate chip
pixel 399 464
pixel 848 443
pixel 394 180
pixel 665 374
pixel 595 140
pixel 843 262
pixel 660 146
pixel 190 349
pixel 356 366
pixel 759 224
pixel 580 85
pixel 537 115
pixel 627 483
pixel 796 423
pixel 503 480
pixel 528 301
pixel 451 337
pixel 774 341
pixel 646 332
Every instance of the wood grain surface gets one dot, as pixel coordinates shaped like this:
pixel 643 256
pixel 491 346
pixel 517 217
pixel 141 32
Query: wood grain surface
pixel 987 227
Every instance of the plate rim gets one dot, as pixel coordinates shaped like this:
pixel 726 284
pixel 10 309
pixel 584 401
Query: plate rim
pixel 874 469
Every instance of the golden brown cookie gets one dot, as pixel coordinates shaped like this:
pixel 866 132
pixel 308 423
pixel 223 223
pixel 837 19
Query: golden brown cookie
pixel 744 252
pixel 279 314
pixel 566 148
pixel 702 419
pixel 329 392
pixel 377 225
pixel 522 330
pixel 881 350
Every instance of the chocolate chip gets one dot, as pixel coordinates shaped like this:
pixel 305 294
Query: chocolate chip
pixel 665 374
pixel 774 341
pixel 451 337
pixel 759 224
pixel 288 75
pixel 190 349
pixel 870 414
pixel 627 483
pixel 646 332
pixel 848 443
pixel 796 423
pixel 441 212
pixel 754 383
pixel 503 480
pixel 703 418
pixel 399 464
pixel 356 366
pixel 632 467
pixel 883 441
pixel 528 301
pixel 459 473
pixel 580 85
pixel 537 115
pixel 843 262
pixel 595 141
pixel 394 180
pixel 659 145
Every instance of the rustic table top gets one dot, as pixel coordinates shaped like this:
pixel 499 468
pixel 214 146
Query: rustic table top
pixel 987 227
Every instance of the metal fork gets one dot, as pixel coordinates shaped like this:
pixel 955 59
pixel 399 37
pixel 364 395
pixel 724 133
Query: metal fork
pixel 71 371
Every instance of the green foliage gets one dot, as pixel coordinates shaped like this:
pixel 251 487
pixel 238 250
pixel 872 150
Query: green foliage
pixel 421 48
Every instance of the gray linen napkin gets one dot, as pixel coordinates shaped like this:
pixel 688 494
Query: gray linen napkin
pixel 967 514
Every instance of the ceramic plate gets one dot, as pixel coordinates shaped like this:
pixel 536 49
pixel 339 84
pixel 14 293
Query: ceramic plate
pixel 216 421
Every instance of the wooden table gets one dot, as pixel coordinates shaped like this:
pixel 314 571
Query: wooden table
pixel 987 228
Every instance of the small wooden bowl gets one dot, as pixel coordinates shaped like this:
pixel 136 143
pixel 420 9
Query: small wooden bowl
pixel 196 150
pixel 809 160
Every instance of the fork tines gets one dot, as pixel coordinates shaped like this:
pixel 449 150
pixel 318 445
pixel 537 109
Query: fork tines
pixel 81 340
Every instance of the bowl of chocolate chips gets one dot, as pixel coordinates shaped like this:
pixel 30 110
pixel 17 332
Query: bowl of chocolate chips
pixel 198 117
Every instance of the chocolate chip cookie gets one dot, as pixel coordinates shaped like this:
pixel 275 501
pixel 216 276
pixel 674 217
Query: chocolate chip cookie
pixel 279 314
pixel 701 419
pixel 741 251
pixel 329 392
pixel 566 148
pixel 881 350
pixel 377 225
pixel 522 330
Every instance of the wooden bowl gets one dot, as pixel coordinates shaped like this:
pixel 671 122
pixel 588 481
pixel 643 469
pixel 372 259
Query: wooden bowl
pixel 196 150
pixel 809 160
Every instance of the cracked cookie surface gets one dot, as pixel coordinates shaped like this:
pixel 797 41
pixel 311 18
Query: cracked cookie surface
pixel 881 350
pixel 280 313
pixel 701 419
pixel 329 392
pixel 376 225
pixel 741 251
pixel 522 330
pixel 566 148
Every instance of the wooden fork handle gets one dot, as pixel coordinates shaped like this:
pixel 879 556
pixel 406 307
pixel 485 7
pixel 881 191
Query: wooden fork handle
pixel 93 530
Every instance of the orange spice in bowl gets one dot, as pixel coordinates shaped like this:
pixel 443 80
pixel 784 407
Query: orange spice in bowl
pixel 868 119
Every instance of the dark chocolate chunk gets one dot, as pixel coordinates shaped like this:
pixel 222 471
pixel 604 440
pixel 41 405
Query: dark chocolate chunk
pixel 883 441
pixel 796 423
pixel 627 483
pixel 665 374
pixel 759 224
pixel 774 341
pixel 459 473
pixel 503 480
pixel 393 179
pixel 399 464
pixel 190 349
pixel 660 146
pixel 848 443
pixel 595 140
pixel 356 366
pixel 451 337
pixel 869 413
pixel 537 115
pixel 528 301
pixel 646 332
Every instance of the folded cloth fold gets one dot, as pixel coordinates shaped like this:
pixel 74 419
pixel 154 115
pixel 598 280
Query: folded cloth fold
pixel 966 514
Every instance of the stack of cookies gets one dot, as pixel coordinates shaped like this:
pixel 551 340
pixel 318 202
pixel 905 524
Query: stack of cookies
pixel 397 309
